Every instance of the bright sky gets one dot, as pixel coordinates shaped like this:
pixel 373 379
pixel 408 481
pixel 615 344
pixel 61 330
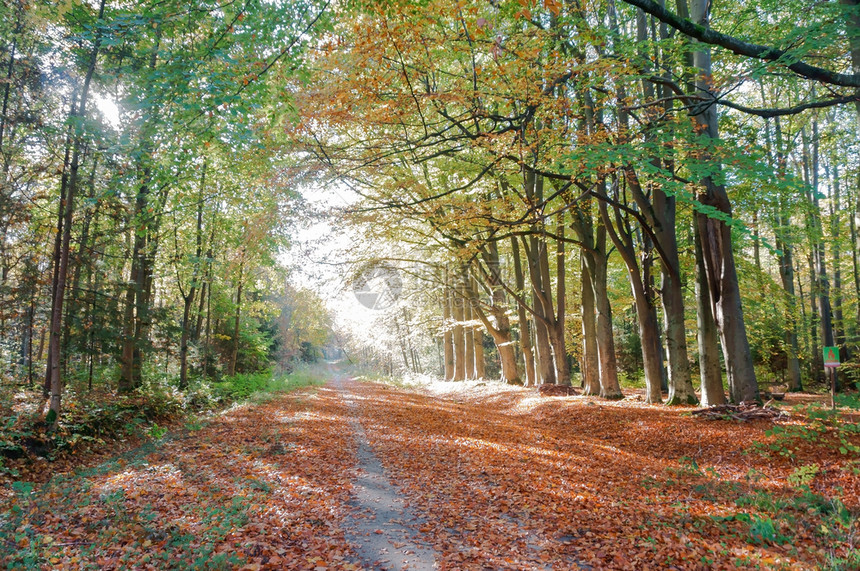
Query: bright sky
pixel 316 260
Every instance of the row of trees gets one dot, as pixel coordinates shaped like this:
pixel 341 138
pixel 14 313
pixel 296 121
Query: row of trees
pixel 530 154
pixel 141 211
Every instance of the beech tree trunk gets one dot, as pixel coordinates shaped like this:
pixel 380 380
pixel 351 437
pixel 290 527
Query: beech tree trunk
pixel 710 373
pixel 785 263
pixel 447 334
pixel 459 336
pixel 188 299
pixel 234 352
pixel 590 368
pixel 139 289
pixel 538 264
pixel 622 238
pixel 523 318
pixel 500 327
pixel 717 243
pixel 836 254
pixel 469 333
pixel 480 364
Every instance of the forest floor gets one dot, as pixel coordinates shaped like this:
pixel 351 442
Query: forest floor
pixel 365 475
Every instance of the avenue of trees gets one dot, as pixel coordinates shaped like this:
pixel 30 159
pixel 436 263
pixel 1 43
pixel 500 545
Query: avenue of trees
pixel 603 189
pixel 574 192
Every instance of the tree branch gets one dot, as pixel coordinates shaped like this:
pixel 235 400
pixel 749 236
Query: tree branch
pixel 740 47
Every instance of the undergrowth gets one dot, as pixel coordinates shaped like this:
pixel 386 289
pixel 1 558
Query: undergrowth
pixel 92 418
pixel 772 516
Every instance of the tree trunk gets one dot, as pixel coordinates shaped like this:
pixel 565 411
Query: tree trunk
pixel 525 329
pixel 712 392
pixel 717 243
pixel 447 334
pixel 590 372
pixel 785 262
pixel 562 367
pixel 622 239
pixel 836 254
pixel 56 385
pixel 234 353
pixel 468 329
pixel 136 328
pixel 672 296
pixel 459 335
pixel 609 386
pixel 538 265
pixel 188 299
pixel 58 240
pixel 480 365
pixel 500 328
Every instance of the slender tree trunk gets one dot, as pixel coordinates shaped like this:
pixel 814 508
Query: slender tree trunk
pixel 447 333
pixel 785 261
pixel 590 368
pixel 480 364
pixel 808 333
pixel 68 217
pixel 58 240
pixel 609 386
pixel 562 367
pixel 823 282
pixel 821 330
pixel 188 299
pixel 234 353
pixel 136 329
pixel 786 274
pixel 81 254
pixel 525 329
pixel 543 362
pixel 468 328
pixel 459 335
pixel 7 90
pixel 836 253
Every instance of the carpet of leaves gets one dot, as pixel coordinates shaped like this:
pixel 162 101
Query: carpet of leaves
pixel 502 478
pixel 258 487
pixel 512 480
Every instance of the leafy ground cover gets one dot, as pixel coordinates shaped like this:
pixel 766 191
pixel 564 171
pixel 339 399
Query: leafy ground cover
pixel 499 478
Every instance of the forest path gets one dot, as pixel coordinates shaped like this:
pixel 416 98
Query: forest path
pixel 384 527
pixel 451 476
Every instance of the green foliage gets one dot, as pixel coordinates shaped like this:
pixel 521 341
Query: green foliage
pixel 260 386
pixel 765 530
pixel 157 432
pixel 822 427
pixel 804 475
pixel 243 385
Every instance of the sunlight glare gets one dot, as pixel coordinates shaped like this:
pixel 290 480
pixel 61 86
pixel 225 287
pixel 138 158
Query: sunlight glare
pixel 108 109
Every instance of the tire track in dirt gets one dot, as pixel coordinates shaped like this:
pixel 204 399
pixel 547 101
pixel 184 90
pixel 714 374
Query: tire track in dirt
pixel 383 528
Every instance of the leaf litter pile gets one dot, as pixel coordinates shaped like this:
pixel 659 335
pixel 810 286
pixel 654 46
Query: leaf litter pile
pixel 498 477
